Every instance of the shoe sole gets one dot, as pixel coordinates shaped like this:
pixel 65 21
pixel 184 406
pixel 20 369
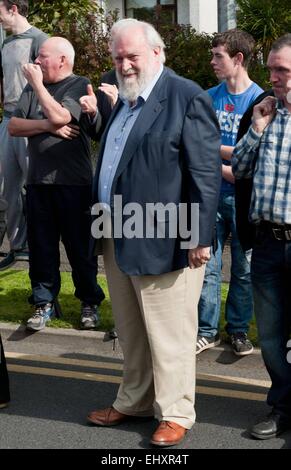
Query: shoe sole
pixel 88 327
pixel 99 423
pixel 270 436
pixel 243 353
pixel 3 405
pixel 167 443
pixel 32 328
pixel 208 346
pixel 22 258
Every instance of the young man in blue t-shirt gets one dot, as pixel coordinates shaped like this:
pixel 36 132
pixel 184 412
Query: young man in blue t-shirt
pixel 231 53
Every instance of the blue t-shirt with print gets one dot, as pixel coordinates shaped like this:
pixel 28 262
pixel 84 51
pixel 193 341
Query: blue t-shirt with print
pixel 229 110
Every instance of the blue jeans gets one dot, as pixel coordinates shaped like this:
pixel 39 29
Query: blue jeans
pixel 271 279
pixel 239 303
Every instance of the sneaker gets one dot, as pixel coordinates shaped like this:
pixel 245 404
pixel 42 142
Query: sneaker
pixel 89 317
pixel 206 342
pixel 241 345
pixel 11 258
pixel 43 313
pixel 4 404
pixel 8 260
pixel 21 255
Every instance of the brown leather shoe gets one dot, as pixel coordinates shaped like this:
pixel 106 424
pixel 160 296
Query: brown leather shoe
pixel 168 433
pixel 107 417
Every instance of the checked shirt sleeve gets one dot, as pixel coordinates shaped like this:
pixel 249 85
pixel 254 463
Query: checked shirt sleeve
pixel 245 155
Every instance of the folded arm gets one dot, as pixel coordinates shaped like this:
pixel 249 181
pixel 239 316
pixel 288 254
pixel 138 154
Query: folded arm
pixel 54 111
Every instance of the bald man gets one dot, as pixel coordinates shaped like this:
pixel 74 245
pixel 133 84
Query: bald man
pixel 59 181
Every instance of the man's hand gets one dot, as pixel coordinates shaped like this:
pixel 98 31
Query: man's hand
pixel 69 132
pixel 89 102
pixel 227 173
pixel 263 113
pixel 111 91
pixel 33 74
pixel 198 256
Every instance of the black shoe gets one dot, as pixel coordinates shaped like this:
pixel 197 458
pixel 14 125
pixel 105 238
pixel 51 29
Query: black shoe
pixel 273 425
pixel 8 261
pixel 206 342
pixel 241 345
pixel 89 317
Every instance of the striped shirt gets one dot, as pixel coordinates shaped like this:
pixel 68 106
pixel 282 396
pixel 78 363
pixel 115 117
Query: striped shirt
pixel 267 158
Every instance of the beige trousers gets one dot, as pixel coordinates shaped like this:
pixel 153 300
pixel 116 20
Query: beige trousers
pixel 156 323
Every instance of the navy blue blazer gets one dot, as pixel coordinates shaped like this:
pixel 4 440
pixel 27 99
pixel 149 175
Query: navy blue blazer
pixel 172 155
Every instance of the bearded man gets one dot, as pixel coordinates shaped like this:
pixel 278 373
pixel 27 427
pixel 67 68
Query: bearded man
pixel 160 147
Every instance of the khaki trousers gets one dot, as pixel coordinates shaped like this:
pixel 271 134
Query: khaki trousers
pixel 156 323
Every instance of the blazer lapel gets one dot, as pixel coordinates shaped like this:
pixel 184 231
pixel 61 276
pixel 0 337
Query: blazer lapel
pixel 149 113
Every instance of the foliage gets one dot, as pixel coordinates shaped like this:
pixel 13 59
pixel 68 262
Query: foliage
pixel 266 20
pixel 188 53
pixel 84 24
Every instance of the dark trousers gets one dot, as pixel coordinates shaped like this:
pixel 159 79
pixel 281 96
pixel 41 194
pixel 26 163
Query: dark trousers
pixel 271 280
pixel 4 381
pixel 57 212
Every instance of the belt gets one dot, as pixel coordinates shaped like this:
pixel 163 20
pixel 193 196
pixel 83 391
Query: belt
pixel 281 232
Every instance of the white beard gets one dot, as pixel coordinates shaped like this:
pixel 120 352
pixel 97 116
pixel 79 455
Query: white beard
pixel 131 89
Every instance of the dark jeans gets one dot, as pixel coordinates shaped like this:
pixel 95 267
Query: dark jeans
pixel 239 302
pixel 57 212
pixel 4 381
pixel 271 278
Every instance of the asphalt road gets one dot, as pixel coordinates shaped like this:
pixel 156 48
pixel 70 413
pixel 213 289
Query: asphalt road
pixel 57 379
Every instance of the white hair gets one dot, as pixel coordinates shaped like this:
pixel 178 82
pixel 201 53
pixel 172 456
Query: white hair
pixel 152 37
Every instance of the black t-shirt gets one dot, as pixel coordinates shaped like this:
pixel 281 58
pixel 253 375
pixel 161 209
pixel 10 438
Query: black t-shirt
pixel 53 160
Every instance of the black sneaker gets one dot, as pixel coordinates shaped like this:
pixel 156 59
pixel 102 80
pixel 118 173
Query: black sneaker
pixel 8 261
pixel 89 317
pixel 43 313
pixel 206 342
pixel 21 255
pixel 241 345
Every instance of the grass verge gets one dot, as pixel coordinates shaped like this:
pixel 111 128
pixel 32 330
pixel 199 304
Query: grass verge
pixel 15 290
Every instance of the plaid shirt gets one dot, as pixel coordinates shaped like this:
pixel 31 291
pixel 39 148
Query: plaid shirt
pixel 267 158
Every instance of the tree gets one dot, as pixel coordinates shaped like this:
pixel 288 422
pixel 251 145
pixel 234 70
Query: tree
pixel 266 20
pixel 84 24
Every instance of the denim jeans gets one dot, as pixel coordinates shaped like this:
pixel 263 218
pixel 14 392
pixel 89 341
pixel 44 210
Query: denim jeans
pixel 239 302
pixel 271 279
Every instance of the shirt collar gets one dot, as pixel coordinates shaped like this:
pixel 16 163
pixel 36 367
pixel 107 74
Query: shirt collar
pixel 281 108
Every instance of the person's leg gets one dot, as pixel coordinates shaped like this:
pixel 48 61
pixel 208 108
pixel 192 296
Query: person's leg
pixel 210 300
pixel 4 380
pixel 271 287
pixel 43 240
pixel 239 302
pixel 270 268
pixel 75 221
pixel 169 304
pixel 14 167
pixel 136 392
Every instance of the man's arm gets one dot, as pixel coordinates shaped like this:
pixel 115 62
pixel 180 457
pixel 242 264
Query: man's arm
pixel 226 152
pixel 245 151
pixel 54 111
pixel 201 142
pixel 20 127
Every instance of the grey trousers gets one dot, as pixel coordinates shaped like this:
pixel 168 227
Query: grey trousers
pixel 13 175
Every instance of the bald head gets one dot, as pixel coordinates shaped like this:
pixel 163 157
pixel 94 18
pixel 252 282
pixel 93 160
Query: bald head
pixel 61 46
pixel 56 59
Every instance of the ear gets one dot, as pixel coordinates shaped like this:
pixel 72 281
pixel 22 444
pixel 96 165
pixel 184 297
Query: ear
pixel 63 60
pixel 14 9
pixel 239 58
